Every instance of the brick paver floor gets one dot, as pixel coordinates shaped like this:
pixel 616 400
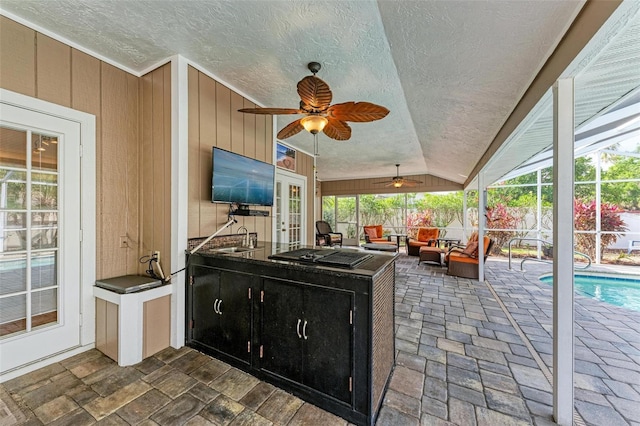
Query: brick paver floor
pixel 461 359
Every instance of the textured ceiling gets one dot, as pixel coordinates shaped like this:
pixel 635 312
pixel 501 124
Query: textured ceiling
pixel 450 71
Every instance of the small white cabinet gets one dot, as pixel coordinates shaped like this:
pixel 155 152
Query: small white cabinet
pixel 132 326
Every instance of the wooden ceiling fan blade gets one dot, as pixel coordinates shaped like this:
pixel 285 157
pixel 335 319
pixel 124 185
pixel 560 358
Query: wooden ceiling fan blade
pixel 412 181
pixel 357 111
pixel 271 111
pixel 290 130
pixel 380 183
pixel 338 130
pixel 314 92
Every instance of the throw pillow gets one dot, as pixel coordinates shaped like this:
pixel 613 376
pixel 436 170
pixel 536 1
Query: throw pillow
pixel 371 233
pixel 471 249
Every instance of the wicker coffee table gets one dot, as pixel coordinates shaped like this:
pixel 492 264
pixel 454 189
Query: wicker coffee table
pixel 380 247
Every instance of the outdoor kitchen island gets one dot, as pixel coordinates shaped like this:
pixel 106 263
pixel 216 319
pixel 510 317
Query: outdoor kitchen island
pixel 318 323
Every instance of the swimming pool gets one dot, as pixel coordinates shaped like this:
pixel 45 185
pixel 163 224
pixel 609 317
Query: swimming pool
pixel 619 290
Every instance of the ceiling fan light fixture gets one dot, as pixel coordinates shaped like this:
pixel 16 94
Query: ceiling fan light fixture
pixel 397 184
pixel 314 123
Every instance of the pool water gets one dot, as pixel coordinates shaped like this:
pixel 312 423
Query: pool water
pixel 620 291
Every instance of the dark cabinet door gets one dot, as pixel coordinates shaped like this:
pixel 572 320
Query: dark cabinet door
pixel 234 311
pixel 205 293
pixel 307 336
pixel 328 342
pixel 221 311
pixel 281 321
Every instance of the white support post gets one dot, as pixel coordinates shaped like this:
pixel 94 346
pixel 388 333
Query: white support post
pixel 563 185
pixel 179 193
pixel 465 221
pixel 539 210
pixel 598 206
pixel 482 198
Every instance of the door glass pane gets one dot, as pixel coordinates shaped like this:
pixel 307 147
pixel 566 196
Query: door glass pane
pixel 44 307
pixel 13 273
pixel 13 311
pixel 44 230
pixel 13 231
pixel 279 208
pixel 44 268
pixel 295 215
pixel 13 189
pixel 44 191
pixel 13 147
pixel 45 152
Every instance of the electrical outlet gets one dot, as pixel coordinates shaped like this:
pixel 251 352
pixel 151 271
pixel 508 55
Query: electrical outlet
pixel 156 254
pixel 124 241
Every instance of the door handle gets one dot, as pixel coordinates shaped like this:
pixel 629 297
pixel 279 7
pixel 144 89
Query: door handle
pixel 298 328
pixel 215 308
pixel 304 330
pixel 220 306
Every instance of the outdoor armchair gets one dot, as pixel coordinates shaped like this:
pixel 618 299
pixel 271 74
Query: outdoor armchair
pixel 425 237
pixel 373 234
pixel 463 262
pixel 325 235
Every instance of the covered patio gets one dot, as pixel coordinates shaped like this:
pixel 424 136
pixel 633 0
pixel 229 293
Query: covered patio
pixel 468 353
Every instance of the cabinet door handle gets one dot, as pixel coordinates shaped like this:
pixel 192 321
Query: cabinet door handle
pixel 298 328
pixel 215 308
pixel 304 330
pixel 220 307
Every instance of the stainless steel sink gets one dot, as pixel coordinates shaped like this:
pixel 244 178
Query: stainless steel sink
pixel 236 249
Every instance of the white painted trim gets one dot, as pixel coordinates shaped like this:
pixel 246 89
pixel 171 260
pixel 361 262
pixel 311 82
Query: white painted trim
pixel 221 81
pixel 563 316
pixel 179 192
pixel 157 65
pixel 87 124
pixel 69 43
pixel 45 362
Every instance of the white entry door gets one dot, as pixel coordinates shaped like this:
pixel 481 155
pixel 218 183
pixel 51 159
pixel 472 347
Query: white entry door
pixel 40 252
pixel 291 190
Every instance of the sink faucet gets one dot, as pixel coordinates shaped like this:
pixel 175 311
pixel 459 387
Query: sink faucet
pixel 245 241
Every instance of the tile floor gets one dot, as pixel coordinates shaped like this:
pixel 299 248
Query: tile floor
pixel 460 360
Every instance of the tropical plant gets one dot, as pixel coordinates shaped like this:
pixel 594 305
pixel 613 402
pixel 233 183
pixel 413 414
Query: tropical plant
pixel 416 220
pixel 499 217
pixel 585 214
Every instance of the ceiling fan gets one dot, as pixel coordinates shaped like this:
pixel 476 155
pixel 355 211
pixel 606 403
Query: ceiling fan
pixel 399 181
pixel 315 100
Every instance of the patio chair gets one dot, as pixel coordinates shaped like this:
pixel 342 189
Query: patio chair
pixel 426 237
pixel 325 235
pixel 373 234
pixel 463 262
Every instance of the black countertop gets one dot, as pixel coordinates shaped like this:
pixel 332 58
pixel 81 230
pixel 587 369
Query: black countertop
pixel 374 262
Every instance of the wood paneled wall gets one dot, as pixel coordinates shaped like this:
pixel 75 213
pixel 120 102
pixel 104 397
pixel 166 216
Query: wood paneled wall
pixel 367 186
pixel 155 164
pixel 214 120
pixel 38 66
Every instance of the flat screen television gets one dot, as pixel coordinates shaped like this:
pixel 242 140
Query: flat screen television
pixel 241 180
